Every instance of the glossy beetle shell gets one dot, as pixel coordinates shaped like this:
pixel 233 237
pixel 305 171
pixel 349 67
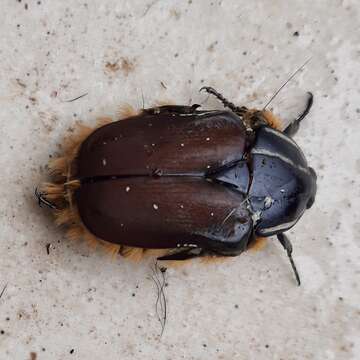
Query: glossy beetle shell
pixel 195 182
pixel 146 183
pixel 178 180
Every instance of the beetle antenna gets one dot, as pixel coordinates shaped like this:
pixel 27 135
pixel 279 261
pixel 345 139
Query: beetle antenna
pixel 286 82
pixel 285 242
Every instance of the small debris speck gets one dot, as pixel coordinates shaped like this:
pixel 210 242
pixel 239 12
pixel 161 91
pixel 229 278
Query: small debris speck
pixel 296 33
pixel 268 201
pixel 72 351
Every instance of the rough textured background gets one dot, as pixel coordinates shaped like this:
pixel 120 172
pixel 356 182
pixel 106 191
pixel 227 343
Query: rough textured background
pixel 78 304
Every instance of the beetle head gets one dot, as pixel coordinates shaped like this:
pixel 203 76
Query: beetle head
pixel 283 185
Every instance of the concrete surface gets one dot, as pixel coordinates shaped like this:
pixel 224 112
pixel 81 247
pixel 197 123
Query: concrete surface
pixel 76 303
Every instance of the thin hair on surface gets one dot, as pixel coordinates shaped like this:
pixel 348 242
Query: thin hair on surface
pixel 143 100
pixel 77 98
pixel 286 82
pixel 3 290
pixel 160 304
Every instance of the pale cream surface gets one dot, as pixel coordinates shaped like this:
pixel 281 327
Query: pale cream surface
pixel 126 51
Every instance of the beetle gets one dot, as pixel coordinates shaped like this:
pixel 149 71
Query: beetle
pixel 194 182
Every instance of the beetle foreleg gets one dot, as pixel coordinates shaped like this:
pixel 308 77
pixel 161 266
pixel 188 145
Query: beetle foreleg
pixel 285 242
pixel 292 129
pixel 240 110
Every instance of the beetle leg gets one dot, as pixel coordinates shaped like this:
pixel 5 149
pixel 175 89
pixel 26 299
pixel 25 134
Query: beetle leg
pixel 240 110
pixel 285 242
pixel 42 200
pixel 184 254
pixel 294 126
pixel 172 109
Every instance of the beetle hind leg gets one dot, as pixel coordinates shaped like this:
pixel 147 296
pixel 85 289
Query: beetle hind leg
pixel 183 254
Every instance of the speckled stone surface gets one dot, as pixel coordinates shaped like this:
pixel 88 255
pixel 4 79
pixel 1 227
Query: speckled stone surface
pixel 76 303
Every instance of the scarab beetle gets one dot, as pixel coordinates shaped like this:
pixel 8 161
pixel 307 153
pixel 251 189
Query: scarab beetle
pixel 194 182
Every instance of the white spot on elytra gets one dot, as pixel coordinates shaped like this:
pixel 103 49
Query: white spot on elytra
pixel 104 162
pixel 182 145
pixel 127 189
pixel 268 201
pixel 208 167
pixel 182 206
pixel 207 139
pixel 152 144
pixel 212 214
pixel 282 190
pixel 155 206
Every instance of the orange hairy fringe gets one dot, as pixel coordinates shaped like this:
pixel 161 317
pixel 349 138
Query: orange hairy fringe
pixel 61 192
pixel 272 120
